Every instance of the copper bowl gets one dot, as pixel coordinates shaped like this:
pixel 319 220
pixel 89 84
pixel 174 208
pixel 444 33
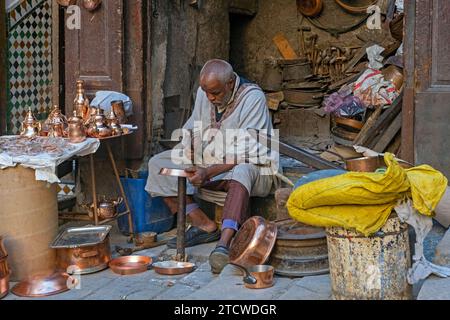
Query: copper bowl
pixel 130 264
pixel 253 242
pixel 173 267
pixel 42 286
pixel 145 238
pixel 263 275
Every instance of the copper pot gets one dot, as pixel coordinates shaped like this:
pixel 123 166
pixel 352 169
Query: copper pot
pixel 4 285
pixel 254 242
pixel 76 132
pixel 395 75
pixel 310 8
pixel 86 254
pixel 263 275
pixel 91 5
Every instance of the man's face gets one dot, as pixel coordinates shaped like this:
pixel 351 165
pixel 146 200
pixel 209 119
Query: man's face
pixel 217 93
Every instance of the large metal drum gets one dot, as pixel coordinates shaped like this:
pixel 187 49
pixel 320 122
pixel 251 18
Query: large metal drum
pixel 28 222
pixel 300 250
pixel 370 268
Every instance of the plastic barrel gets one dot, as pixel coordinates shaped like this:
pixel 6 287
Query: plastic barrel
pixel 148 213
pixel 28 222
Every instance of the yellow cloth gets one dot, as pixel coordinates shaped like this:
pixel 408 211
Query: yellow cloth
pixel 364 201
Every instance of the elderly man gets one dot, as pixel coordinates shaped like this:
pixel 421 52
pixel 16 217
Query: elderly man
pixel 225 104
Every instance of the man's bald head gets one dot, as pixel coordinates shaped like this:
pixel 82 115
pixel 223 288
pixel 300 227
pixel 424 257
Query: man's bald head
pixel 217 81
pixel 217 69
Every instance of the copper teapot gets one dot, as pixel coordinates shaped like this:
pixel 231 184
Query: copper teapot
pixel 56 123
pixel 106 208
pixel 76 131
pixel 114 124
pixel 30 126
pixel 99 127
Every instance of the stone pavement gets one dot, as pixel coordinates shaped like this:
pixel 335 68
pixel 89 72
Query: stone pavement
pixel 201 284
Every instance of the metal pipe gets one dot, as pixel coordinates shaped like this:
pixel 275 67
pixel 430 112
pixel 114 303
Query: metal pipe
pixel 181 218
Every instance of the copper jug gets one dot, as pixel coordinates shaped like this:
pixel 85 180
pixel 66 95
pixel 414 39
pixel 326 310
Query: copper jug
pixel 119 111
pixel 56 123
pixel 30 126
pixel 76 131
pixel 81 102
pixel 113 123
pixel 102 129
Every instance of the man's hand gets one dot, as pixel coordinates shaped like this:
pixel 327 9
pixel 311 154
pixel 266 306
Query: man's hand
pixel 200 176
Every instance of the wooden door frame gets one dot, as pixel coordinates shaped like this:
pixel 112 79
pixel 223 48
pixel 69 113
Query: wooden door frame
pixel 55 54
pixel 3 69
pixel 408 148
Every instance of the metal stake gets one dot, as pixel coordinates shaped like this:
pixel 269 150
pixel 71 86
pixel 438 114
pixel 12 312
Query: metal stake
pixel 181 218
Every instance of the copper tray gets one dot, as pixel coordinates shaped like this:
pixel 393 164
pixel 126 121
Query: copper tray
pixel 254 242
pixel 175 173
pixel 130 264
pixel 173 267
pixel 40 286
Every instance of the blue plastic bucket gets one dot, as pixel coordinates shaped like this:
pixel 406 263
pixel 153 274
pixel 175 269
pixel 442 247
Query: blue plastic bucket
pixel 149 214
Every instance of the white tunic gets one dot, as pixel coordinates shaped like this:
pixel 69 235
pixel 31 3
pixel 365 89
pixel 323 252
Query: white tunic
pixel 246 110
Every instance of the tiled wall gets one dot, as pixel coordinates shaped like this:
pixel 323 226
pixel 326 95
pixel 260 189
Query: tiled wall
pixel 30 61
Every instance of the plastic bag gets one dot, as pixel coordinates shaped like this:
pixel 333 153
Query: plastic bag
pixel 103 100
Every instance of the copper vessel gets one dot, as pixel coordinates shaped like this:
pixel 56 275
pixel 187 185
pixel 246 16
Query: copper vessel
pixel 76 131
pixel 119 111
pixel 4 285
pixel 3 252
pixel 114 124
pixel 99 128
pixel 371 164
pixel 87 248
pixel 130 264
pixel 81 102
pixel 254 242
pixel 175 173
pixel 395 75
pixel 30 126
pixel 106 208
pixel 91 5
pixel 145 238
pixel 56 123
pixel 43 286
pixel 263 275
pixel 173 267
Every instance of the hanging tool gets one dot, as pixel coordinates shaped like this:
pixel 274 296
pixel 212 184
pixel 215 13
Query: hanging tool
pixel 302 39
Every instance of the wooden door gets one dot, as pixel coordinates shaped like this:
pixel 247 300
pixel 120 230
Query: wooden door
pixel 94 53
pixel 426 124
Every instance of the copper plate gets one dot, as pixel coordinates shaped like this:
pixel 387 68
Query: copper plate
pixel 41 286
pixel 254 242
pixel 175 173
pixel 173 267
pixel 130 264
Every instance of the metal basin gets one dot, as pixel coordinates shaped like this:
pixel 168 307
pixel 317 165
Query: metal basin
pixel 254 242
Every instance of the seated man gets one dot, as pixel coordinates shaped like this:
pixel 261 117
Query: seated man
pixel 225 104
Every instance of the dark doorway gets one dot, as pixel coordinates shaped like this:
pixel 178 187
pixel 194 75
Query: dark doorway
pixel 238 26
